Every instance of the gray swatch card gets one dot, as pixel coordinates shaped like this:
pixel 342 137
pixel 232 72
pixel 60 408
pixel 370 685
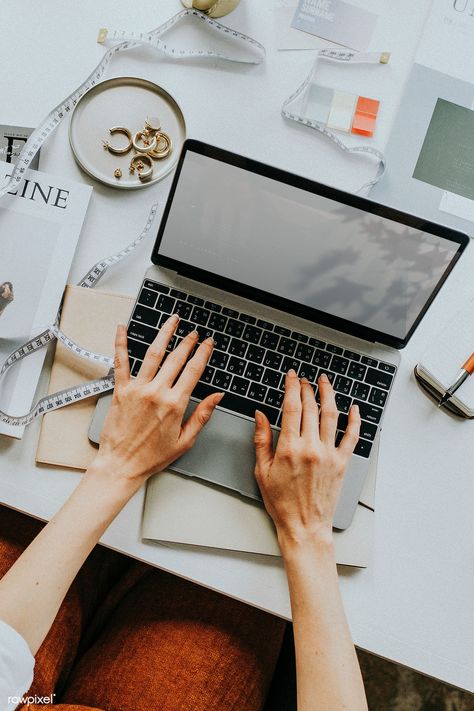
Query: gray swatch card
pixel 336 21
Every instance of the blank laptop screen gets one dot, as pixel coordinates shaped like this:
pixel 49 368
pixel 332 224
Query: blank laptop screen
pixel 300 246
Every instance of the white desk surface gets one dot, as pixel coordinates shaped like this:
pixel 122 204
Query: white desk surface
pixel 414 603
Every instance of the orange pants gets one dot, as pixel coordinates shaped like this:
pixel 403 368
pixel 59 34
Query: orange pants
pixel 129 637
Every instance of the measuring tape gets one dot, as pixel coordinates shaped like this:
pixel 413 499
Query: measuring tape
pixel 345 57
pixel 125 41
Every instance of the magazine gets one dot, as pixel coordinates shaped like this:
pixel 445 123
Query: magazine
pixel 40 224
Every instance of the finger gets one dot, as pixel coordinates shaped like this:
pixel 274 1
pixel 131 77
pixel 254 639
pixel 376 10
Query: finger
pixel 351 436
pixel 175 361
pixel 121 361
pixel 156 351
pixel 328 411
pixel 310 411
pixel 291 415
pixel 194 368
pixel 263 441
pixel 200 417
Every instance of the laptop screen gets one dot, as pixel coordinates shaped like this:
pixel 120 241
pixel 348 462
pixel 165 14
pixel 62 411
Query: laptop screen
pixel 303 247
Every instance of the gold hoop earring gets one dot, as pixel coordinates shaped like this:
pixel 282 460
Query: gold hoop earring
pixel 119 151
pixel 139 163
pixel 148 145
pixel 152 124
pixel 163 148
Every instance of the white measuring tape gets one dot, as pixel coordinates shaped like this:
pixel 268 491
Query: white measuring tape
pixel 125 41
pixel 345 56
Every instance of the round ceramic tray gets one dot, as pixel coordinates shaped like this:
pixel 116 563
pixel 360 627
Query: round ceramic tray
pixel 123 101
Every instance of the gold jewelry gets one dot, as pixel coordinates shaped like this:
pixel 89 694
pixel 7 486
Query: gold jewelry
pixel 147 144
pixel 163 148
pixel 139 163
pixel 152 124
pixel 119 151
pixel 118 172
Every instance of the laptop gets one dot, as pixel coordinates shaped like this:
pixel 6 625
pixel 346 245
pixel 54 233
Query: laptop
pixel 283 272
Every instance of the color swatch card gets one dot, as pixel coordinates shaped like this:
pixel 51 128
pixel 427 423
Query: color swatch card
pixel 336 21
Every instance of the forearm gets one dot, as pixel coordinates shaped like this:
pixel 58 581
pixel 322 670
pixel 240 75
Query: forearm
pixel 33 589
pixel 328 673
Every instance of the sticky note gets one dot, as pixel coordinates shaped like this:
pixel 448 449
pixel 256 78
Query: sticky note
pixel 365 116
pixel 342 111
pixel 318 103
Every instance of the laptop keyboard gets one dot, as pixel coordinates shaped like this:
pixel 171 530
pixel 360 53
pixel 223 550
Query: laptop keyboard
pixel 251 357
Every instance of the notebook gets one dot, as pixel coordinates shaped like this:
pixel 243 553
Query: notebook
pixel 441 362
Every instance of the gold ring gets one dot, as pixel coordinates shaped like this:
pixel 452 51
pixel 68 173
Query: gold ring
pixel 119 151
pixel 163 148
pixel 139 163
pixel 148 144
pixel 152 124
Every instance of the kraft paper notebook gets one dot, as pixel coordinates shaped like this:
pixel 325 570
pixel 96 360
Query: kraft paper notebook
pixel 178 509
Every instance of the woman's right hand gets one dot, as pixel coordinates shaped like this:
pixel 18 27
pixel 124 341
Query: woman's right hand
pixel 301 480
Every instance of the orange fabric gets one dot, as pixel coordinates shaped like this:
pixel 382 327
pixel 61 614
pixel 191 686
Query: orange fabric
pixel 132 638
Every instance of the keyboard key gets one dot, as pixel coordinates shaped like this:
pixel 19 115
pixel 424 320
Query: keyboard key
pixel 304 352
pixel 146 315
pixel 137 349
pixel 378 397
pixel 321 358
pixel 286 346
pixel 237 348
pixel 208 374
pixel 184 327
pixel 368 412
pixel 200 316
pixel 339 365
pixel 343 402
pixel 257 392
pixel 356 371
pixel 221 341
pixel 156 287
pixel 265 324
pixel 178 294
pixel 221 380
pixel 141 332
pixel 183 309
pixel 387 367
pixel 252 334
pixel 272 360
pixel 351 355
pixel 230 312
pixel 339 436
pixel 166 304
pixel 218 359
pixel 369 361
pixel 317 343
pixel 147 298
pixel 212 306
pixel 342 421
pixel 363 448
pixel 239 385
pixel 330 375
pixel 274 398
pixel 236 366
pixel 217 321
pixel 360 390
pixel 368 431
pixel 288 364
pixel 234 328
pixel 334 349
pixel 379 378
pixel 204 332
pixel 254 371
pixel 308 371
pixel 342 385
pixel 195 300
pixel 255 353
pixel 269 340
pixel 271 378
pixel 246 318
pixel 300 337
pixel 135 368
pixel 282 331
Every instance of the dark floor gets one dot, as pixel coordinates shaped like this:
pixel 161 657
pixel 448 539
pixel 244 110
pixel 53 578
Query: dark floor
pixel 389 687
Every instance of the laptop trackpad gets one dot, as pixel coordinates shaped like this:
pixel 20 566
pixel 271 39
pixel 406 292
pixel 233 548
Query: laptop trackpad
pixel 223 454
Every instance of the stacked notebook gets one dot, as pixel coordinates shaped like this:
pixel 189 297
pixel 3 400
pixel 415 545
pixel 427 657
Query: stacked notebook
pixel 178 510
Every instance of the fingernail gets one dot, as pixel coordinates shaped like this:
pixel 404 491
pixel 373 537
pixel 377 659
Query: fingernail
pixel 194 335
pixel 258 417
pixel 292 373
pixel 174 317
pixel 210 340
pixel 355 408
pixel 218 397
pixel 324 378
pixel 305 380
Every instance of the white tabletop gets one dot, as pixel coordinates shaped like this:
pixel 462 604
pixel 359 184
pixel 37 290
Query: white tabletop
pixel 414 603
